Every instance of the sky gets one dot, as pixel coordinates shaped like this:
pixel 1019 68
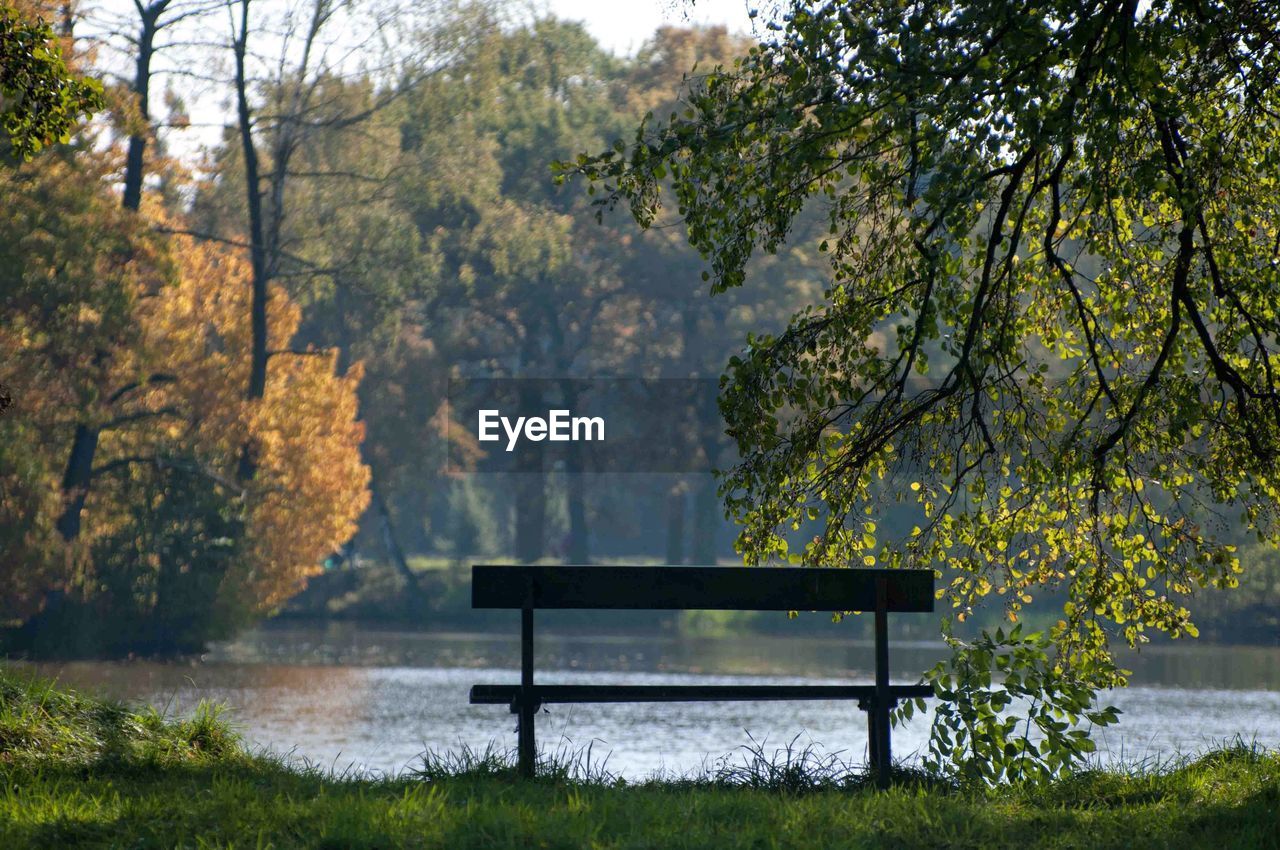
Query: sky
pixel 622 26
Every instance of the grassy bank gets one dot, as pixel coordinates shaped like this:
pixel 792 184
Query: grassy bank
pixel 77 772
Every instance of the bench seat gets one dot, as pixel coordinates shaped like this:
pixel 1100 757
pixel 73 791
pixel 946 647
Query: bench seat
pixel 657 588
pixel 547 694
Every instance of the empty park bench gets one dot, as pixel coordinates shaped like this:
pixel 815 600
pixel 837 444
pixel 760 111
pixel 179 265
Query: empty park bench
pixel 529 588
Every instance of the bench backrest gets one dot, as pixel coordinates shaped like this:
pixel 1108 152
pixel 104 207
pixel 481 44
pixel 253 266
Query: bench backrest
pixel 700 588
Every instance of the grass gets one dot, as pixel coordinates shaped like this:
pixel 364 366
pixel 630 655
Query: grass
pixel 80 772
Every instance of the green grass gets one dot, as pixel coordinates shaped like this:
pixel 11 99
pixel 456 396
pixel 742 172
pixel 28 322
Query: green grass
pixel 79 772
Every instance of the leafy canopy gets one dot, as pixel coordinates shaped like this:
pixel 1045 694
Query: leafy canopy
pixel 1052 325
pixel 145 335
pixel 40 99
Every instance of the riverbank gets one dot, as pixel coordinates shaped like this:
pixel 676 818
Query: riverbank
pixel 79 772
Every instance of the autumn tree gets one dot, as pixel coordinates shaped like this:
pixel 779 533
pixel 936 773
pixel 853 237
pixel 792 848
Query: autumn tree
pixel 430 240
pixel 310 484
pixel 73 266
pixel 306 183
pixel 116 324
pixel 132 114
pixel 75 269
pixel 462 257
pixel 176 549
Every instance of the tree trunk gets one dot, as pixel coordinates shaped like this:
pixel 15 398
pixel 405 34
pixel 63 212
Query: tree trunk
pixel 706 521
pixel 133 168
pixel 675 524
pixel 78 476
pixel 417 603
pixel 343 364
pixel 253 200
pixel 578 551
pixel 530 478
pixel 76 480
pixel 706 501
pixel 531 506
pixel 257 388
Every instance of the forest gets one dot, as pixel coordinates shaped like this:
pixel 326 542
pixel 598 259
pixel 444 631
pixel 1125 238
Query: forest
pixel 227 362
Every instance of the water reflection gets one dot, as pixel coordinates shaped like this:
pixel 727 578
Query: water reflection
pixel 349 697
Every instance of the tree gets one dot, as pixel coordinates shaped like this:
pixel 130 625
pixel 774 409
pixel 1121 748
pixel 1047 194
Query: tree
pixel 177 550
pixel 691 335
pixel 526 290
pixel 271 134
pixel 135 110
pixel 310 484
pixel 73 265
pixel 529 285
pixel 41 100
pixel 430 240
pixel 112 321
pixel 306 185
pixel 1051 324
pixel 144 44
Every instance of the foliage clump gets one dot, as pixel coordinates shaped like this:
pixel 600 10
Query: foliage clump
pixel 41 100
pixel 1048 346
pixel 1006 711
pixel 143 337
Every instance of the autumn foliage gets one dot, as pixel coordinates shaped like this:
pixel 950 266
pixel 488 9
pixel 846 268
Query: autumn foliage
pixel 310 485
pixel 113 321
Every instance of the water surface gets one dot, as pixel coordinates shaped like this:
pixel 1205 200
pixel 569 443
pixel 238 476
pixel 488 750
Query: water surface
pixel 355 698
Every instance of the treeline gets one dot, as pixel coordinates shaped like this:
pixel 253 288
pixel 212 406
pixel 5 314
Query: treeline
pixel 160 483
pixel 229 373
pixel 430 241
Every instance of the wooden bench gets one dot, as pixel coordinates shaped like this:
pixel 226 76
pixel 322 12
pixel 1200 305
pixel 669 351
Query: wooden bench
pixel 529 588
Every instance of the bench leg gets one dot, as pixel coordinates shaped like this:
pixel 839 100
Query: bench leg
pixel 878 726
pixel 526 749
pixel 882 758
pixel 873 739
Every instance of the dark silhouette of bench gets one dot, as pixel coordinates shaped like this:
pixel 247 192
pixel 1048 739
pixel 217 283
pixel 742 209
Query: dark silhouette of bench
pixel 529 588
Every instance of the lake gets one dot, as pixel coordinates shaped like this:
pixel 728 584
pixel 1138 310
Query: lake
pixel 354 698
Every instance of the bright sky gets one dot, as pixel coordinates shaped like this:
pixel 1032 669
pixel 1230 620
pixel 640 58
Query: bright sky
pixel 623 25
